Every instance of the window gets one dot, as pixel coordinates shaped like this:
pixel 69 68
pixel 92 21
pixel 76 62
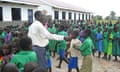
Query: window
pixel 1 16
pixel 83 16
pixel 16 14
pixel 70 15
pixel 79 16
pixel 86 17
pixel 63 15
pixel 30 15
pixel 89 16
pixel 74 16
pixel 56 14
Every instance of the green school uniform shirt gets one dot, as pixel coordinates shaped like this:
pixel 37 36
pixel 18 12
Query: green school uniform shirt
pixel 52 43
pixel 86 47
pixel 23 57
pixel 62 44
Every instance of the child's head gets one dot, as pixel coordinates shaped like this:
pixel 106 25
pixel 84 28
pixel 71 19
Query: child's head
pixel 29 67
pixel 86 33
pixel 40 70
pixel 106 29
pixel 110 31
pixel 10 68
pixel 25 43
pixel 116 28
pixel 99 30
pixel 61 28
pixel 74 34
pixel 7 48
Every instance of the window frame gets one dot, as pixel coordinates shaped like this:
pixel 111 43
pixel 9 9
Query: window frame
pixel 14 16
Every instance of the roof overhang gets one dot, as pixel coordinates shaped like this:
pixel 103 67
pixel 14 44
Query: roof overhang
pixel 19 2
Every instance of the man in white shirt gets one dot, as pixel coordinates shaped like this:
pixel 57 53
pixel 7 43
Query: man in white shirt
pixel 40 38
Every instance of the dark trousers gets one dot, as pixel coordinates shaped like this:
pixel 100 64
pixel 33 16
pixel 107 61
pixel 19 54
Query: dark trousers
pixel 41 56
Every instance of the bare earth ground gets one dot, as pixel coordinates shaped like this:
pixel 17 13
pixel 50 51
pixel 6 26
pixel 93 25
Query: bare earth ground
pixel 99 65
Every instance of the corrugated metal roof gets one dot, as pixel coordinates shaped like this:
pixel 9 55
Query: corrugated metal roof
pixel 62 5
pixel 29 2
pixel 53 3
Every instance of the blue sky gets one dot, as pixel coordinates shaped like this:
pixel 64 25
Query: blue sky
pixel 99 7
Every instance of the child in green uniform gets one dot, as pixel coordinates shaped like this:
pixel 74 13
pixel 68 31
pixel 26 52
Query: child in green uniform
pixel 61 46
pixel 86 51
pixel 110 38
pixel 25 55
pixel 52 43
pixel 105 42
pixel 93 36
pixel 116 46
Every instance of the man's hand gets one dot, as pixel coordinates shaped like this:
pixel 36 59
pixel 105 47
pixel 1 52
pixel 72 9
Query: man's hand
pixel 67 38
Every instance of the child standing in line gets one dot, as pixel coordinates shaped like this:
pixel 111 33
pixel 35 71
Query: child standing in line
pixel 74 46
pixel 52 43
pixel 105 43
pixel 110 39
pixel 99 37
pixel 116 46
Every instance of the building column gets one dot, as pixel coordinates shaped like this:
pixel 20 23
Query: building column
pixel 60 15
pixel 67 15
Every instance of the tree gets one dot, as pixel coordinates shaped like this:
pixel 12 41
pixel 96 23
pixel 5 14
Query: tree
pixel 98 17
pixel 107 18
pixel 112 15
pixel 119 19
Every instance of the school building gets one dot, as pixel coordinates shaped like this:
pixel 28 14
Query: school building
pixel 19 11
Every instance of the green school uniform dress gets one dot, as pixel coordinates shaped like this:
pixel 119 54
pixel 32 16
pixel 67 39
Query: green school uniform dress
pixel 52 43
pixel 62 44
pixel 23 57
pixel 116 46
pixel 1 43
pixel 109 50
pixel 94 41
pixel 86 51
pixel 105 42
pixel 93 36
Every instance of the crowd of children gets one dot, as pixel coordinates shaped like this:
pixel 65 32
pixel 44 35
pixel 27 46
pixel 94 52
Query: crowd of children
pixel 16 47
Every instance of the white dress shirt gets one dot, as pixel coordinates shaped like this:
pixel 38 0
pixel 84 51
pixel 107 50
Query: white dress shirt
pixel 40 35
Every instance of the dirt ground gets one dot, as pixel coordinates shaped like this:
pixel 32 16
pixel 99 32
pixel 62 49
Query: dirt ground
pixel 99 65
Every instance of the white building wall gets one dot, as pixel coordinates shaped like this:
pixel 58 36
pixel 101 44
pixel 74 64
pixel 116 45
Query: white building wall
pixel 80 16
pixel 47 8
pixel 72 15
pixel 6 13
pixel 53 14
pixel 67 15
pixel 24 14
pixel 60 14
pixel 77 15
pixel 84 16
